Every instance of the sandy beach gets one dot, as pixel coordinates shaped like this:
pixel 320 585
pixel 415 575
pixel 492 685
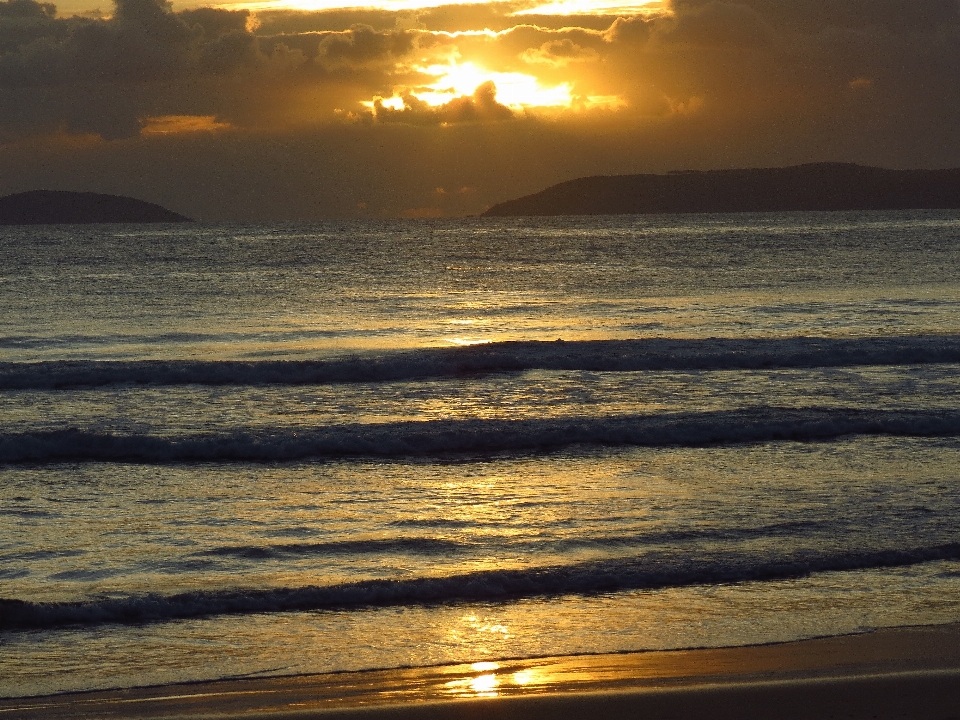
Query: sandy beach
pixel 891 673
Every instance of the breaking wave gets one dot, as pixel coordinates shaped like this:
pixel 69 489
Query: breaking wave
pixel 433 438
pixel 590 355
pixel 651 571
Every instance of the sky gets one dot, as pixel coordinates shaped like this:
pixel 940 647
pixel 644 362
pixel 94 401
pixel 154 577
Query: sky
pixel 310 109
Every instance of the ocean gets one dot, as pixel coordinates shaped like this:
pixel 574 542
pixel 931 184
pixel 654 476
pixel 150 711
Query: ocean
pixel 234 450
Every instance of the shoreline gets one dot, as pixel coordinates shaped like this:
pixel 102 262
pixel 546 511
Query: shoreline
pixel 892 672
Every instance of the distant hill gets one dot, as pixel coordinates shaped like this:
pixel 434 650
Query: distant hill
pixel 41 207
pixel 819 186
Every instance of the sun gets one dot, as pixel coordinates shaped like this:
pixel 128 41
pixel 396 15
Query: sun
pixel 515 90
pixel 613 8
pixel 447 82
pixel 554 7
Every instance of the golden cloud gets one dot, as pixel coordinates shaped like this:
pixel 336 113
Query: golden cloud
pixel 174 124
pixel 559 53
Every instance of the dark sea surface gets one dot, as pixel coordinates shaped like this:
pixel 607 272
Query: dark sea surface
pixel 249 450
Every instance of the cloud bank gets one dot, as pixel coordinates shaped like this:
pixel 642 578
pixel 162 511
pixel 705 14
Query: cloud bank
pixel 227 114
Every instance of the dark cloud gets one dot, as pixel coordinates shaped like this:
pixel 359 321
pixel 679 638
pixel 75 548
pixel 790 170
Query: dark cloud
pixel 105 76
pixel 362 45
pixel 812 16
pixel 143 41
pixel 719 23
pixel 27 10
pixel 23 22
pixel 215 23
pixel 235 49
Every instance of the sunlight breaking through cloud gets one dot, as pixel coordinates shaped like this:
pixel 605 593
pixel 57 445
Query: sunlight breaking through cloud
pixel 515 90
pixel 465 91
pixel 594 7
pixel 560 7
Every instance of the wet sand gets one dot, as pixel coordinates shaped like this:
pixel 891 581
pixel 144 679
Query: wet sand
pixel 893 673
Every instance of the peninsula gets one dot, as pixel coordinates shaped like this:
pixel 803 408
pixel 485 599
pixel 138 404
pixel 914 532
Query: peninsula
pixel 817 186
pixel 43 207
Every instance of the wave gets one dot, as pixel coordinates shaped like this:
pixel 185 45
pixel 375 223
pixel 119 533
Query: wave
pixel 431 438
pixel 431 546
pixel 420 546
pixel 714 534
pixel 651 571
pixel 587 355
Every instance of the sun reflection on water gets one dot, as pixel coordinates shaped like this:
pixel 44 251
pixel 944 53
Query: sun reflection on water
pixel 491 679
pixel 483 685
pixel 468 341
pixel 523 677
pixel 485 666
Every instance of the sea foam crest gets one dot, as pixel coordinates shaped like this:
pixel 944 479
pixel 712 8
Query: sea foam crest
pixel 431 438
pixel 650 571
pixel 589 355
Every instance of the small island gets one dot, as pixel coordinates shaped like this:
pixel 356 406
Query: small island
pixel 49 207
pixel 817 186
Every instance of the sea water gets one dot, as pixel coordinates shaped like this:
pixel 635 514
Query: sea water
pixel 249 450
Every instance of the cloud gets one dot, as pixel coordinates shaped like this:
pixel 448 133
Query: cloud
pixel 27 10
pixel 223 110
pixel 482 106
pixel 559 53
pixel 143 41
pixel 362 46
pixel 103 75
pixel 718 23
pixel 812 16
pixel 171 124
pixel 23 22
pixel 214 22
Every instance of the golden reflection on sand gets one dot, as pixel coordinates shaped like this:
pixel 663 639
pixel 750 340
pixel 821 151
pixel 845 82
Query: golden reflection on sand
pixel 485 666
pixel 490 679
pixel 892 673
pixel 483 685
pixel 467 341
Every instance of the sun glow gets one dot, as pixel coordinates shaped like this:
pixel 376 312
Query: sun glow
pixel 515 90
pixel 558 7
pixel 594 7
pixel 326 5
